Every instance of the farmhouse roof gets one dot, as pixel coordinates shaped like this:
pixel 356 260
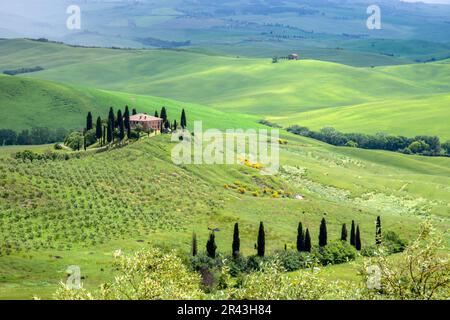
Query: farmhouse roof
pixel 143 117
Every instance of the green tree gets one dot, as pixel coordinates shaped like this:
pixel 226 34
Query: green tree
pixel 111 118
pixel 175 125
pixel 357 239
pixel 344 232
pixel 352 233
pixel 126 119
pixel 446 147
pixel 211 246
pixel 421 272
pixel 163 114
pixel 156 114
pixel 236 241
pixel 323 233
pixel 194 245
pixel 261 247
pixel 300 238
pixel 121 125
pixel 307 241
pixel 134 112
pixel 110 131
pixel 183 122
pixel 98 129
pixel 378 235
pixel 89 124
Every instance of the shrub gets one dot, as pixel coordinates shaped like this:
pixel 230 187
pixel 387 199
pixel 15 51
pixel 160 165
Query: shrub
pixel 335 253
pixel 393 242
pixel 146 275
pixel 294 260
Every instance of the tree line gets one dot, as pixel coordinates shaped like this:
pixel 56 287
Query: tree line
pixel 303 241
pixel 33 136
pixel 116 127
pixel 422 145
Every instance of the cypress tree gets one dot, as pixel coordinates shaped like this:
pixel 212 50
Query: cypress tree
pixel 89 125
pixel 358 239
pixel 352 234
pixel 120 124
pixel 167 124
pixel 104 136
pixel 163 114
pixel 183 119
pixel 300 238
pixel 134 112
pixel 98 129
pixel 175 125
pixel 211 246
pixel 156 114
pixel 261 240
pixel 111 118
pixel 126 117
pixel 194 245
pixel 378 236
pixel 236 241
pixel 109 132
pixel 323 233
pixel 307 247
pixel 344 232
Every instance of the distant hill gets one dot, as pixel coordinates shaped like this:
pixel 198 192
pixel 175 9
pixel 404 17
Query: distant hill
pixel 282 91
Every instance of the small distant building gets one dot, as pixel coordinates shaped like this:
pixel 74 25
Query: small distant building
pixel 147 122
pixel 294 56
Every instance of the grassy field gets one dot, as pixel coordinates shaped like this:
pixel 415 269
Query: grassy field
pixel 78 212
pixel 32 102
pixel 321 93
pixel 82 210
pixel 411 117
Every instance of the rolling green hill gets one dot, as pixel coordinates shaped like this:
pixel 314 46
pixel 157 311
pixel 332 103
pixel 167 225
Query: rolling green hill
pixel 78 212
pixel 426 115
pixel 27 103
pixel 285 90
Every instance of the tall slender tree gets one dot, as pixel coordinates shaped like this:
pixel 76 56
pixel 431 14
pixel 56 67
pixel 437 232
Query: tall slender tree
pixel 378 236
pixel 98 129
pixel 194 245
pixel 120 125
pixel 352 233
pixel 300 238
pixel 89 125
pixel 111 118
pixel 134 112
pixel 163 114
pixel 175 125
pixel 344 232
pixel 236 241
pixel 261 247
pixel 307 241
pixel 156 114
pixel 104 135
pixel 323 237
pixel 357 239
pixel 183 122
pixel 109 132
pixel 126 119
pixel 211 246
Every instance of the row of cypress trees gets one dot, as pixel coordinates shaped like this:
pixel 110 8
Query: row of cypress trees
pixel 303 239
pixel 166 124
pixel 121 121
